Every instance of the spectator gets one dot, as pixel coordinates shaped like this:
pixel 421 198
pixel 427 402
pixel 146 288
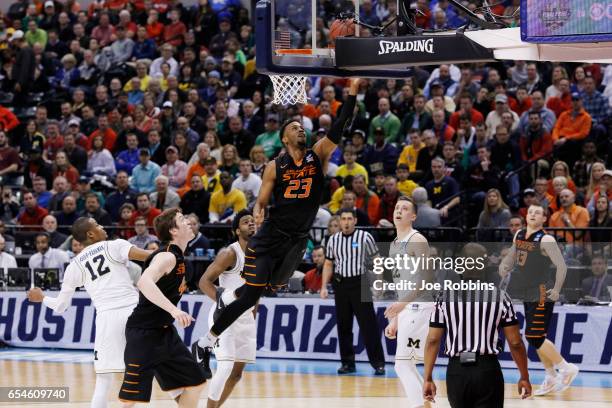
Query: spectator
pixel 100 159
pixel 523 101
pixel 142 237
pixel 32 214
pixel 442 131
pixel 453 167
pixel 128 159
pixel 409 154
pixel 23 69
pixel 61 189
pixel 248 182
pixel 426 217
pixel 562 102
pixel 419 118
pixel 9 209
pixel 596 105
pixel 596 286
pixel 536 143
pixel 123 194
pixel 6 260
pixel 217 43
pixel 103 31
pixel 388 201
pixel 494 117
pixel 56 239
pixel 404 185
pixel 437 90
pixel 432 149
pixel 173 32
pixel 199 241
pixel 367 200
pixel 8 120
pixel 124 228
pixel 443 189
pixel 196 200
pixel 164 198
pixel 46 257
pixel 604 188
pixel 54 141
pixel 144 209
pixel 67 118
pixel 144 175
pixel 198 167
pixel 144 49
pixel 9 161
pixel 350 166
pixel 382 156
pixel 570 215
pixel 174 169
pixel 230 160
pixel 466 107
pixel 212 176
pixel 68 214
pixel 312 278
pixel 108 135
pixel 503 150
pixel 599 234
pixel 570 130
pixel 349 199
pixel 483 175
pixel 495 213
pixel 94 210
pixel 534 82
pixel 588 170
pixel 39 188
pixel 270 139
pixel 76 154
pixel 155 70
pixel 548 116
pixel 227 202
pixel 385 120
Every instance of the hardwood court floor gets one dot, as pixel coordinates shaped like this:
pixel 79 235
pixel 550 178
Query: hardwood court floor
pixel 274 385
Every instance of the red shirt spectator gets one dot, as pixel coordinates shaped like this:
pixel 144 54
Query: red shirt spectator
pixel 32 214
pixel 107 133
pixel 313 278
pixel 8 120
pixel 560 104
pixel 523 106
pixel 144 209
pixel 173 32
pixel 9 158
pixel 103 31
pixel 474 114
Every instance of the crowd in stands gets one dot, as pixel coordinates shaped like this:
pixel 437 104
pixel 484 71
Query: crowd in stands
pixel 124 108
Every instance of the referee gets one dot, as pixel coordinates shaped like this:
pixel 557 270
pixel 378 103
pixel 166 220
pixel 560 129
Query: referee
pixel 347 253
pixel 472 319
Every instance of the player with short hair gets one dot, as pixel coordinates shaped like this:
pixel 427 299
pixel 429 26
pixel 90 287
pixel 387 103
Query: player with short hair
pixel 237 345
pixel 409 316
pixel 102 268
pixel 154 348
pixel 531 255
pixel 295 180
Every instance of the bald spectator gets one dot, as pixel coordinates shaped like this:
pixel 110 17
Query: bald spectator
pixel 61 190
pixel 427 217
pixel 196 200
pixel 56 239
pixel 385 120
pixel 164 198
pixel 570 215
pixel 32 214
pixel 442 130
pixel 67 215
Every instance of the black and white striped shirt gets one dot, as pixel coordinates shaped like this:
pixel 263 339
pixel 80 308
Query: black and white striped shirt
pixel 472 320
pixel 351 253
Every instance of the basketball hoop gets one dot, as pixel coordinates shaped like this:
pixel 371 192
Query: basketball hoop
pixel 289 89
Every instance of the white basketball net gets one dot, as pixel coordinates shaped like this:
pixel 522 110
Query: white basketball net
pixel 289 89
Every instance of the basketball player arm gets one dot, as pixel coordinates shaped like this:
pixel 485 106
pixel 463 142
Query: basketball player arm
pixel 326 146
pixel 223 261
pixel 420 248
pixel 508 261
pixel 137 254
pixel 267 185
pixel 550 247
pixel 59 304
pixel 519 355
pixel 432 346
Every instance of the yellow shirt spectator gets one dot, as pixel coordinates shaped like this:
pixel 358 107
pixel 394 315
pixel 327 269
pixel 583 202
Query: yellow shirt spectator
pixel 336 200
pixel 406 187
pixel 409 155
pixel 221 203
pixel 212 184
pixel 344 171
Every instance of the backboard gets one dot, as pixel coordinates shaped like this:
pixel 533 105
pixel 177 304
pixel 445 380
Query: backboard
pixel 286 45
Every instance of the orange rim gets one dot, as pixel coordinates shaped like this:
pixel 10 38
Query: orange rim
pixel 298 51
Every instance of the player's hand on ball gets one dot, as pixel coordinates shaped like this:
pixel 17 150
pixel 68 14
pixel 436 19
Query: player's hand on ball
pixel 553 294
pixel 391 329
pixel 394 309
pixel 323 293
pixel 35 295
pixel 429 391
pixel 183 318
pixel 524 388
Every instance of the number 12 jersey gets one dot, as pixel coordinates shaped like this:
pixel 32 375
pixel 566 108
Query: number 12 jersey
pixel 102 268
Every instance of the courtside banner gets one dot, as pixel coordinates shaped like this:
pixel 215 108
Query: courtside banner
pixel 292 328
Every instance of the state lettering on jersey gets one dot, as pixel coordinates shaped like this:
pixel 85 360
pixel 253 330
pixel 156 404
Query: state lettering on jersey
pixel 300 181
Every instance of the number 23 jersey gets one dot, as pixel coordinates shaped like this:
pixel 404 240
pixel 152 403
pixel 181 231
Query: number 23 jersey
pixel 297 192
pixel 102 268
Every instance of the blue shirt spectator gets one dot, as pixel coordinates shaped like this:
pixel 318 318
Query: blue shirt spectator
pixel 128 159
pixel 594 102
pixel 144 175
pixel 144 48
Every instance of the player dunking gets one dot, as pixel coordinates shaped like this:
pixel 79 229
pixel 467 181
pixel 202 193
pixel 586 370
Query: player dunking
pixel 154 347
pixel 295 179
pixel 237 345
pixel 531 254
pixel 102 268
pixel 409 317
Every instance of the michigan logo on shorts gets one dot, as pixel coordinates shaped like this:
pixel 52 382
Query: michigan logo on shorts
pixel 414 343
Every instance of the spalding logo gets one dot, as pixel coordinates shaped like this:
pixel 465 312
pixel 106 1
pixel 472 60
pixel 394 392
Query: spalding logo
pixel 389 47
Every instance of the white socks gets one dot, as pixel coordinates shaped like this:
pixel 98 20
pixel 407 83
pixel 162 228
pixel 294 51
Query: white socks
pixel 217 383
pixel 563 365
pixel 100 395
pixel 550 371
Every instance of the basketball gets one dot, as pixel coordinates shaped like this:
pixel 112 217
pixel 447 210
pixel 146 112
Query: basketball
pixel 341 28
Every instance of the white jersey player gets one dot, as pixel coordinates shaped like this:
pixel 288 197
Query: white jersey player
pixel 409 317
pixel 237 345
pixel 102 268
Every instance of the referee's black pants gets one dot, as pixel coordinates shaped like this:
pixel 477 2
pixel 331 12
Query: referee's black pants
pixel 349 303
pixel 480 385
